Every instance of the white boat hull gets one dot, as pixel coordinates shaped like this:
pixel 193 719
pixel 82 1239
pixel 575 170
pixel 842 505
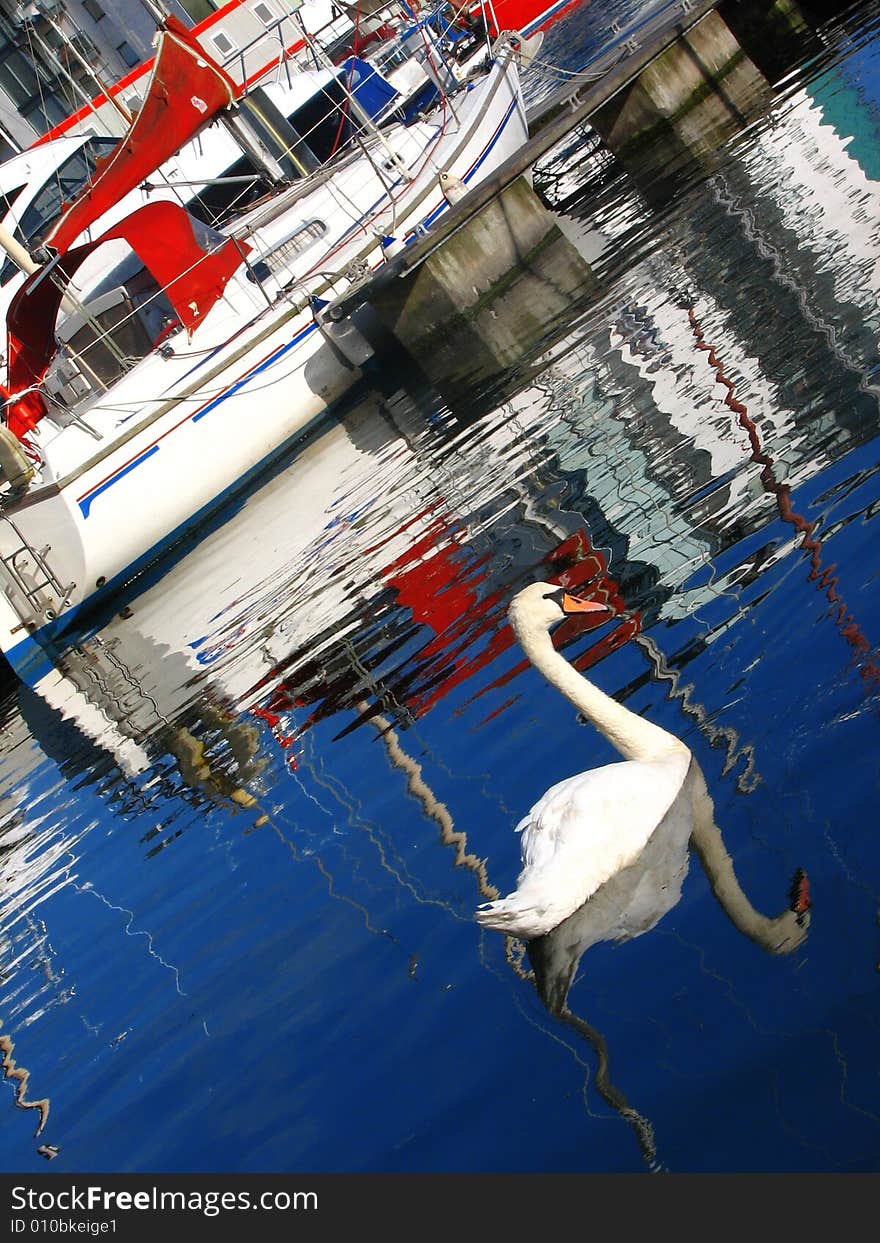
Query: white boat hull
pixel 185 433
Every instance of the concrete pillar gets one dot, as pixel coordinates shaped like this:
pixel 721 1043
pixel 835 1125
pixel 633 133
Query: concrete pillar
pixel 774 34
pixel 692 98
pixel 492 290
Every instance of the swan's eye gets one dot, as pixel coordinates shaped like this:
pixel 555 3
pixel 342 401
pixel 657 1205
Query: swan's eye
pixel 556 596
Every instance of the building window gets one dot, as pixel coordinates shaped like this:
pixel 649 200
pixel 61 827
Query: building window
pixel 34 90
pixel 129 55
pixel 86 48
pixel 93 9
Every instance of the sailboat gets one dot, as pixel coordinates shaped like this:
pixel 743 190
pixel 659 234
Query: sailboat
pixel 161 365
pixel 272 79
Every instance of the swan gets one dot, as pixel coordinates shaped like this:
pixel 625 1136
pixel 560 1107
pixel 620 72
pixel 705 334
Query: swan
pixel 636 898
pixel 592 827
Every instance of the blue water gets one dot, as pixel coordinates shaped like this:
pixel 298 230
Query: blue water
pixel 246 822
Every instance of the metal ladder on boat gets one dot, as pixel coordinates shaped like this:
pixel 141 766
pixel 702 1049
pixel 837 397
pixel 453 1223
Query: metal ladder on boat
pixel 33 589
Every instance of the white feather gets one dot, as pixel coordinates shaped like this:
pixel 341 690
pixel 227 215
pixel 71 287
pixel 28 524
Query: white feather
pixel 580 833
pixel 589 827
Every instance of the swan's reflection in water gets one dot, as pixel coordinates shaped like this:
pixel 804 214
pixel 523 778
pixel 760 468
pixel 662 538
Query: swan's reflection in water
pixel 324 607
pixel 635 899
pixel 631 902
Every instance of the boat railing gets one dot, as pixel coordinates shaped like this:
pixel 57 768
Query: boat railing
pixel 116 324
pixel 274 31
pixel 109 336
pixel 323 127
pixel 328 38
pixel 106 334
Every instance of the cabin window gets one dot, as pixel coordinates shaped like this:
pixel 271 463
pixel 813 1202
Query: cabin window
pixel 295 243
pixel 222 43
pixel 113 341
pixel 62 186
pixel 118 325
pixel 265 14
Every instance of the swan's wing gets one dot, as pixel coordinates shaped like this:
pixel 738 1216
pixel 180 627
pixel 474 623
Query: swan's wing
pixel 582 832
pixel 586 828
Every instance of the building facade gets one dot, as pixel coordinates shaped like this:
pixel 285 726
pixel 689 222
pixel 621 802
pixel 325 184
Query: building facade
pixel 56 55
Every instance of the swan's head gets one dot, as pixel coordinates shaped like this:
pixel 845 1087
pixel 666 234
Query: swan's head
pixel 541 606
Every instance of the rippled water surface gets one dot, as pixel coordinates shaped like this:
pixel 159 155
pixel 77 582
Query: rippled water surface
pixel 247 820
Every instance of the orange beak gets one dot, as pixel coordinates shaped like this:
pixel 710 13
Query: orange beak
pixel 576 604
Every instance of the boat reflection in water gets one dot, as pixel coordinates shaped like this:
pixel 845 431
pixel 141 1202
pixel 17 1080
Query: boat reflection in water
pixel 192 705
pixel 273 613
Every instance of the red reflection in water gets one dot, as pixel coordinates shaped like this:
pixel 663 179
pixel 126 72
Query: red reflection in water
pixel 825 579
pixel 446 591
pixel 575 564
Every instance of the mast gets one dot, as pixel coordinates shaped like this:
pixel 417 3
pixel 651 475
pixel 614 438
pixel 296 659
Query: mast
pixel 19 254
pixel 23 260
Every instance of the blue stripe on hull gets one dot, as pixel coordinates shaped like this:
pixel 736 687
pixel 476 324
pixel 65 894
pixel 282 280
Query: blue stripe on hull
pixel 85 501
pixel 33 656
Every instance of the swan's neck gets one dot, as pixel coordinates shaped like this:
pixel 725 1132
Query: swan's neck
pixel 628 733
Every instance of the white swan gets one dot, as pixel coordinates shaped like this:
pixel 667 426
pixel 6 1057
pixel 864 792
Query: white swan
pixel 637 897
pixel 590 827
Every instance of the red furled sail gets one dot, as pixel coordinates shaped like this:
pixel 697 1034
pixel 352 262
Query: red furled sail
pixel 163 236
pixel 185 91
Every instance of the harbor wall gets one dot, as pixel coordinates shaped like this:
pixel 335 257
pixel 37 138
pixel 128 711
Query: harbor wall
pixel 474 306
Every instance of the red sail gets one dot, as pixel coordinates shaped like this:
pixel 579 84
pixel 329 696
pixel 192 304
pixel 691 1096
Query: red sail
pixel 162 236
pixel 186 90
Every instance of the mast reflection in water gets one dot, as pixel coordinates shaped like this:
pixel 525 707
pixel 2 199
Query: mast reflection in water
pixel 247 817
